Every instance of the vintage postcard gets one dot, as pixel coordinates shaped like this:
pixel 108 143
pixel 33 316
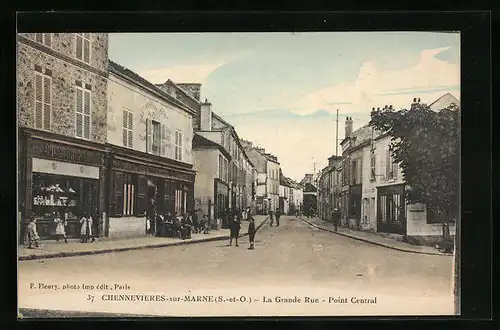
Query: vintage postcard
pixel 238 174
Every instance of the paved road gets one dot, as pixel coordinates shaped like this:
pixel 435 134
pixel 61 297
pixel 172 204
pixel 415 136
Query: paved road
pixel 292 259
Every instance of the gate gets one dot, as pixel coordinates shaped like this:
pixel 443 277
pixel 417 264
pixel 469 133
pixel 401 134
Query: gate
pixel 391 210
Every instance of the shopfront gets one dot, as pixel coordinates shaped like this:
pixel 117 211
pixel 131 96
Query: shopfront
pixel 60 176
pixel 142 185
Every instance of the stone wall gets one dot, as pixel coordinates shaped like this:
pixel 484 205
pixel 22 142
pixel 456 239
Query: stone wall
pixel 64 75
pixel 125 227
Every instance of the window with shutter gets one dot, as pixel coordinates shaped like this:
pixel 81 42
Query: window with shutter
pixel 83 113
pixel 163 140
pixel 44 38
pixel 388 165
pixel 127 136
pixel 43 101
pixel 178 145
pixel 149 134
pixel 83 47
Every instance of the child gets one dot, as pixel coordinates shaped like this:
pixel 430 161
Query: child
pixel 33 234
pixel 60 228
pixel 86 229
pixel 251 231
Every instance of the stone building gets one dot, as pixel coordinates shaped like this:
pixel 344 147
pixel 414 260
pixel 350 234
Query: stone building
pixel 62 108
pixel 150 137
pixel 285 194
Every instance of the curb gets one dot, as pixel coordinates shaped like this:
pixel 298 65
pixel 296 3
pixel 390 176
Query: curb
pixel 375 243
pixel 122 249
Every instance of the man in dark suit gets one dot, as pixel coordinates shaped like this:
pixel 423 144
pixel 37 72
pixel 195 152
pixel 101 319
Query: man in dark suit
pixel 278 214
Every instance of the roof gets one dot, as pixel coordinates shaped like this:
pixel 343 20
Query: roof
pixel 183 90
pixel 201 141
pixel 137 79
pixel 443 102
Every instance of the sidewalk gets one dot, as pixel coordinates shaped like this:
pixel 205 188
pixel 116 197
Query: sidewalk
pixel 54 249
pixel 372 238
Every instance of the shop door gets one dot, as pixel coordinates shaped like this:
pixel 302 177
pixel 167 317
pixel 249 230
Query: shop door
pixel 391 210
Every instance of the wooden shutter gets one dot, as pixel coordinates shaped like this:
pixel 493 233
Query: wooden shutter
pixel 38 101
pixel 47 39
pixel 141 194
pixel 86 50
pixel 47 87
pixel 124 128
pixel 149 134
pixel 86 109
pixel 388 166
pixel 163 137
pixel 79 112
pixel 118 194
pixel 79 46
pixel 130 138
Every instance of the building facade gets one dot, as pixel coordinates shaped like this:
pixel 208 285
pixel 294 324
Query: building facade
pixel 328 193
pixel 285 194
pixel 150 162
pixel 267 169
pixel 352 174
pixel 62 108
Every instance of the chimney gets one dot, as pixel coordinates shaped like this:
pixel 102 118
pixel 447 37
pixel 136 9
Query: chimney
pixel 206 116
pixel 348 126
pixel 415 102
pixel 390 106
pixel 193 89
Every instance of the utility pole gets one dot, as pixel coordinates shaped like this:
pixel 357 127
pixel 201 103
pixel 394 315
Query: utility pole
pixel 337 137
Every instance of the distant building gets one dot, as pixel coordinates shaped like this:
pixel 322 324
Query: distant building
pixel 268 181
pixel 328 195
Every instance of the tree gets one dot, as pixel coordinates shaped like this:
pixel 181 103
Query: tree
pixel 425 144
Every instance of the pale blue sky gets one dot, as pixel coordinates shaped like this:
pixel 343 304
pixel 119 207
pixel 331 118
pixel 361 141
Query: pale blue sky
pixel 269 85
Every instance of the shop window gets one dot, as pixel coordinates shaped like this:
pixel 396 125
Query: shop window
pixel 83 47
pixel 82 113
pixel 70 197
pixel 43 101
pixel 128 194
pixel 128 122
pixel 44 38
pixel 178 145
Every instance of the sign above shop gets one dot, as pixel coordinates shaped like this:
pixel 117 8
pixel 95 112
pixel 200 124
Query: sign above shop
pixel 66 153
pixel 67 169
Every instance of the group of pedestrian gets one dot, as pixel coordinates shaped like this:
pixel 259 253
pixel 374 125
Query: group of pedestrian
pixel 235 227
pixel 61 223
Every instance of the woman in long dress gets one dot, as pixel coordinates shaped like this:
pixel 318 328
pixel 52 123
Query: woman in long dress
pixel 60 228
pixel 86 229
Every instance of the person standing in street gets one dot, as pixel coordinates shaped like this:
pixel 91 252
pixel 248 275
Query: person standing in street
pixel 251 231
pixel 32 234
pixel 271 217
pixel 234 228
pixel 278 215
pixel 336 218
pixel 60 227
pixel 86 229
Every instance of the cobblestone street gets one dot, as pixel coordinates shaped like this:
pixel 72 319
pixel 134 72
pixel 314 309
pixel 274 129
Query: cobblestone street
pixel 292 256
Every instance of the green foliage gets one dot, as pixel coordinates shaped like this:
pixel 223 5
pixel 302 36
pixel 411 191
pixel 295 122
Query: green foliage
pixel 425 143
